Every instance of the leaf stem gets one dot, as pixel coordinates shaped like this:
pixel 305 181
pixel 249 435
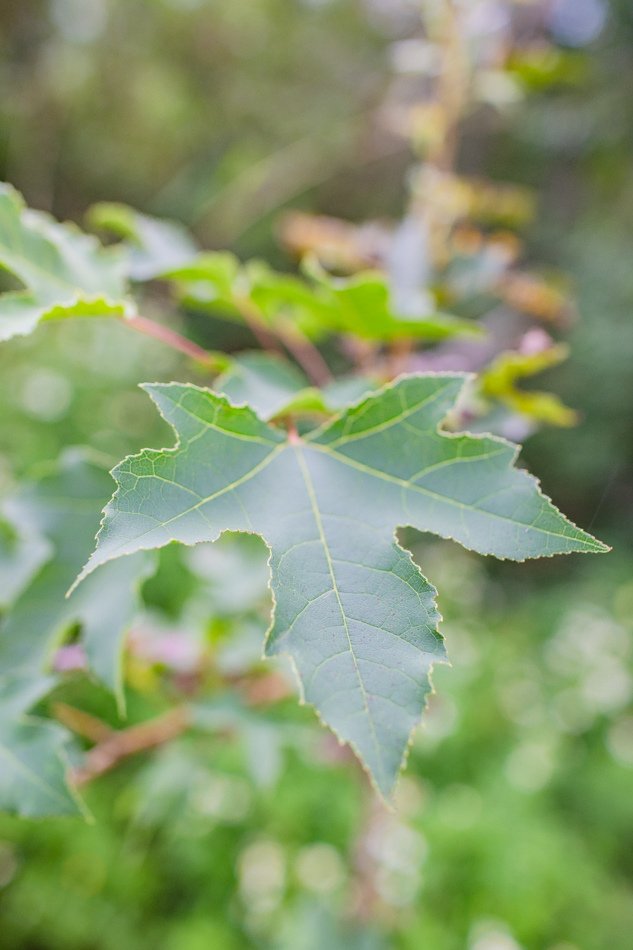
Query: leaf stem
pixel 297 344
pixel 307 355
pixel 400 353
pixel 82 723
pixel 172 339
pixel 257 324
pixel 124 743
pixel 452 88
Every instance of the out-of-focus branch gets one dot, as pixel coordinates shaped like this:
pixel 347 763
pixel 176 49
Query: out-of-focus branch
pixel 452 87
pixel 257 325
pixel 451 94
pixel 289 336
pixel 424 234
pixel 173 339
pixel 82 723
pixel 306 354
pixel 117 745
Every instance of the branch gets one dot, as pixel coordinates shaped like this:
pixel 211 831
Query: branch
pixel 122 744
pixel 173 339
pixel 303 350
pixel 256 324
pixel 306 354
pixel 452 87
pixel 82 722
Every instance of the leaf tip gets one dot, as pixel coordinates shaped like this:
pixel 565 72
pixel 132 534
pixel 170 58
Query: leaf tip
pixel 599 547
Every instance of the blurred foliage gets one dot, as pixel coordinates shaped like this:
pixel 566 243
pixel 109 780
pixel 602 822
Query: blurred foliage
pixel 178 99
pixel 512 828
pixel 512 825
pixel 499 381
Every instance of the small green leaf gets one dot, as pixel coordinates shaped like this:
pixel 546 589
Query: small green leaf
pixel 209 279
pixel 343 392
pixel 263 381
pixel 289 299
pixel 152 247
pixel 360 305
pixel 274 387
pixel 364 310
pixel 65 273
pixel 351 607
pixel 499 381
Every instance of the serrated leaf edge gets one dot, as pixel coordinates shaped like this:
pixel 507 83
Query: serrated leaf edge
pixel 514 452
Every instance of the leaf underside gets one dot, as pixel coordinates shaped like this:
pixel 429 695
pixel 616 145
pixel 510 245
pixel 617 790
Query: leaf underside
pixel 352 609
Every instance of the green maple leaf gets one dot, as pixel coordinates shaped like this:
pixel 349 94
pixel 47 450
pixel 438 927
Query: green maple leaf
pixel 65 273
pixel 61 510
pixel 351 608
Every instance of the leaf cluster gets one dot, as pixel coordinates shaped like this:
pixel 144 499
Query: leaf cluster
pixel 324 470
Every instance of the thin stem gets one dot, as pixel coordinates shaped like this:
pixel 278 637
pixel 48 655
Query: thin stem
pixel 172 339
pixel 452 86
pixel 451 95
pixel 306 354
pixel 82 723
pixel 303 350
pixel 121 744
pixel 400 354
pixel 427 207
pixel 257 325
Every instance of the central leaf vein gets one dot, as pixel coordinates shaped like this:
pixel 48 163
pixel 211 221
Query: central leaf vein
pixel 305 471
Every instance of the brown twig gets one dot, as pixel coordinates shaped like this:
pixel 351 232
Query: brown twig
pixel 306 354
pixel 297 344
pixel 173 339
pixel 427 204
pixel 452 94
pixel 257 324
pixel 364 353
pixel 452 86
pixel 121 744
pixel 82 722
